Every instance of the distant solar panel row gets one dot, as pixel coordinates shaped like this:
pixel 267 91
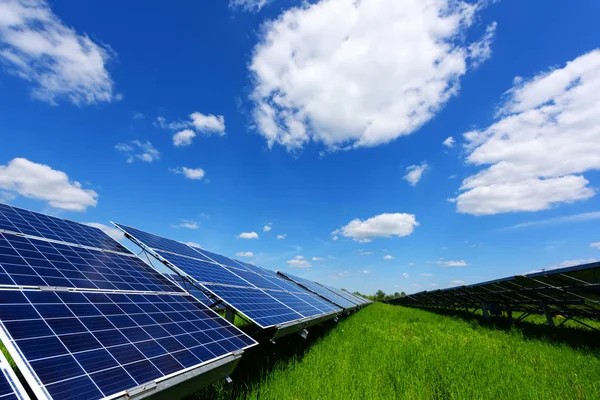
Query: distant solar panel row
pixel 571 292
pixel 261 295
pixel 90 322
pixel 321 291
pixel 10 387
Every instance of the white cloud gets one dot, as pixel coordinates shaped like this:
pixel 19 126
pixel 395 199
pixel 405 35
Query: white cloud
pixel 481 50
pixel 317 259
pixel 184 137
pixel 193 244
pixel 595 245
pixel 39 181
pixel 190 173
pixel 144 151
pixel 457 283
pixel 449 142
pixel 545 137
pixel 388 257
pixel 415 172
pixel 267 227
pixel 454 263
pixel 357 73
pixel 299 262
pixel 187 224
pixel 208 123
pixel 248 5
pixel 383 225
pixel 433 285
pixel 405 275
pixel 335 237
pixel 198 123
pixel 426 274
pixel 244 254
pixel 138 115
pixel 60 63
pixel 248 235
pixel 582 217
pixel 113 232
pixel 281 237
pixel 365 253
pixel 366 271
pixel 411 264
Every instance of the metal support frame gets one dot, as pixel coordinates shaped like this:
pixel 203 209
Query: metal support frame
pixel 229 315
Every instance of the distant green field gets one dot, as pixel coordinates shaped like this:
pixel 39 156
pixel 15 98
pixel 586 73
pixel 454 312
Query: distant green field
pixel 392 352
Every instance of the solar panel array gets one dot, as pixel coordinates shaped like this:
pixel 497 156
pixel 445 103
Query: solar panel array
pixel 258 294
pixel 10 387
pixel 573 292
pixel 333 297
pixel 91 322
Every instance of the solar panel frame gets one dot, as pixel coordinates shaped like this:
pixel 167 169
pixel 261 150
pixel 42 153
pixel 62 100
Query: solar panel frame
pixel 321 291
pixel 10 386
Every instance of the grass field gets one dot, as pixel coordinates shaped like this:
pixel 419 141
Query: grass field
pixel 392 352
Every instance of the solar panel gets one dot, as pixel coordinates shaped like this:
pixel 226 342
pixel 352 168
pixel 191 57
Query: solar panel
pixel 26 222
pixel 85 322
pixel 93 345
pixel 193 290
pixel 573 292
pixel 321 291
pixel 10 387
pixel 254 292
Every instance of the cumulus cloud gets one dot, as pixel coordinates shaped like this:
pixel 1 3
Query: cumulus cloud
pixel 317 259
pixel 595 245
pixel 449 142
pixel 190 173
pixel 365 253
pixel 414 173
pixel 248 235
pixel 184 137
pixel 388 257
pixel 299 262
pixel 383 225
pixel 267 227
pixel 248 5
pixel 454 263
pixel 281 237
pixel 545 137
pixel 247 254
pixel 357 73
pixel 481 50
pixel 38 181
pixel 137 149
pixel 457 283
pixel 405 275
pixel 198 123
pixel 113 232
pixel 60 63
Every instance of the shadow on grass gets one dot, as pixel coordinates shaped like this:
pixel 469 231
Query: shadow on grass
pixel 259 361
pixel 578 338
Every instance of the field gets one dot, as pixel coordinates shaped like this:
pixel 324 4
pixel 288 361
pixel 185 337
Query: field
pixel 392 352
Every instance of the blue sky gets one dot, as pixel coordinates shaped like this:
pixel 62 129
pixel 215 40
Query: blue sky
pixel 322 127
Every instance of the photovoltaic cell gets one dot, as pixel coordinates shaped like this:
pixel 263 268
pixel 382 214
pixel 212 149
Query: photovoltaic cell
pixel 320 290
pixel 31 262
pixel 35 224
pixel 10 387
pixel 93 345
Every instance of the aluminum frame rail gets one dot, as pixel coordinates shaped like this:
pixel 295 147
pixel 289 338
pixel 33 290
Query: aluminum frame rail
pixel 571 292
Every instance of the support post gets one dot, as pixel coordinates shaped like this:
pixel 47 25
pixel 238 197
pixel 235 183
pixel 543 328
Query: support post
pixel 548 315
pixel 484 308
pixel 509 315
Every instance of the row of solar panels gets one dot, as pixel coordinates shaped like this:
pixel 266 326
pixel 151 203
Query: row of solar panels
pixel 85 318
pixel 573 292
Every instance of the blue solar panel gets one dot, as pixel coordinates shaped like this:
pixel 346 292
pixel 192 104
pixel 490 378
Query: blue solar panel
pixel 320 290
pixel 93 345
pixel 193 290
pixel 10 387
pixel 31 223
pixel 341 293
pixel 32 262
pixel 160 243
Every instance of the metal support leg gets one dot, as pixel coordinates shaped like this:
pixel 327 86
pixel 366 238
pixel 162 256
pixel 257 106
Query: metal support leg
pixel 548 316
pixel 484 308
pixel 509 315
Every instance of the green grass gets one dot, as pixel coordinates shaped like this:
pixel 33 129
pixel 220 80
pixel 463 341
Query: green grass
pixel 392 352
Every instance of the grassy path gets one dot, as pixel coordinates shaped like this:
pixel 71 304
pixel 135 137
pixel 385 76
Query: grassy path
pixel 391 352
